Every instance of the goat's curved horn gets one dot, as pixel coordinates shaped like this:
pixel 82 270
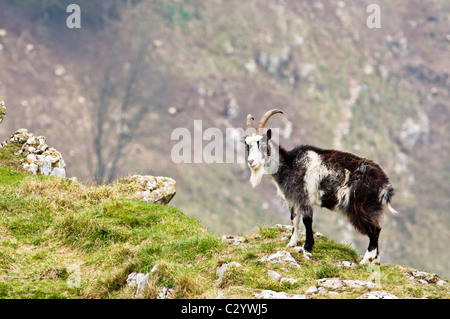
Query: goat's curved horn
pixel 250 118
pixel 264 120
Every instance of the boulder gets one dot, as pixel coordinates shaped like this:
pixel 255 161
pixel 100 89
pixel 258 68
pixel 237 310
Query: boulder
pixel 155 189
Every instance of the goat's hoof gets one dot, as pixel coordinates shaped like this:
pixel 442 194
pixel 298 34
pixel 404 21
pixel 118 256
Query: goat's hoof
pixel 291 244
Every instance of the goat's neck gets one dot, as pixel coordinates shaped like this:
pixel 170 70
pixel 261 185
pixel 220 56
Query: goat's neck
pixel 283 165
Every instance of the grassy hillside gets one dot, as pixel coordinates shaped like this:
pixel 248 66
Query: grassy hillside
pixel 381 93
pixel 63 239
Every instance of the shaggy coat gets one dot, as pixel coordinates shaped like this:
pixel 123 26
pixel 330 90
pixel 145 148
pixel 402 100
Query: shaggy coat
pixel 339 181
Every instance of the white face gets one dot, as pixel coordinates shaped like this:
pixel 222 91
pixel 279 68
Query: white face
pixel 255 158
pixel 258 160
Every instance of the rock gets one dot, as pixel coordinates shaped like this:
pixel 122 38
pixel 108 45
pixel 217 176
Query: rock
pixel 288 280
pixel 337 284
pixel 281 256
pixel 330 283
pixel 345 263
pixel 270 294
pixel 382 294
pixel 39 157
pixel 138 280
pixel 424 277
pixel 220 295
pixel 234 240
pixel 165 293
pixel 322 290
pixel 220 272
pixel 154 189
pixel 301 250
pixel 312 290
pixel 274 275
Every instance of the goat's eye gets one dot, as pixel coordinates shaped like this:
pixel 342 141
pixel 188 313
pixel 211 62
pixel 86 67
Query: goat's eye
pixel 257 143
pixel 247 147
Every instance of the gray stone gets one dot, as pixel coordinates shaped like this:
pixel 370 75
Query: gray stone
pixel 138 280
pixel 288 280
pixel 382 294
pixel 165 293
pixel 274 275
pixel 270 294
pixel 337 284
pixel 312 290
pixel 234 240
pixel 281 256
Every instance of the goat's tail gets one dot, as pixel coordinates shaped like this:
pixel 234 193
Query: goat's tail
pixel 386 195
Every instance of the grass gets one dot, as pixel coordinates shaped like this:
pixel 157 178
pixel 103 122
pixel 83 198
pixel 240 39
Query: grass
pixel 63 239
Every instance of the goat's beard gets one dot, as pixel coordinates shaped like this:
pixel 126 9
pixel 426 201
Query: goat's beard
pixel 256 176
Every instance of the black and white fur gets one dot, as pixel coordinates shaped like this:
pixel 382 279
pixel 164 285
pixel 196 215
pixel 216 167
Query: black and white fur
pixel 342 182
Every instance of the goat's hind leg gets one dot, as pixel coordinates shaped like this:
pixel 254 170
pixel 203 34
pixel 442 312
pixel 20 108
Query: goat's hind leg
pixel 372 254
pixel 307 221
pixel 295 219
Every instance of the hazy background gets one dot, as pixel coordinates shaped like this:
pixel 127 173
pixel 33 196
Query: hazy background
pixel 109 95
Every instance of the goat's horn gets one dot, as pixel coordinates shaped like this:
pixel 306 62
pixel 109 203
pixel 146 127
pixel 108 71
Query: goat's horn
pixel 264 120
pixel 250 118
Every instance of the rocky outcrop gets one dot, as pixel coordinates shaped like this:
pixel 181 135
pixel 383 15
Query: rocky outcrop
pixel 155 189
pixel 39 157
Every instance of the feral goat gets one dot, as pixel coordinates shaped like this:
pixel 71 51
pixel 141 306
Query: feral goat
pixel 307 175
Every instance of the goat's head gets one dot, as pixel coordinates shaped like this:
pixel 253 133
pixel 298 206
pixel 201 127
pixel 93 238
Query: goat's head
pixel 260 154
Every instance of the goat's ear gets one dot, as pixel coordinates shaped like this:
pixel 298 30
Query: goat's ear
pixel 269 134
pixel 243 138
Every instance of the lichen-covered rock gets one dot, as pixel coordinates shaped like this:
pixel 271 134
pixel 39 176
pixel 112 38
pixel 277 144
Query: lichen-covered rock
pixel 155 189
pixel 39 157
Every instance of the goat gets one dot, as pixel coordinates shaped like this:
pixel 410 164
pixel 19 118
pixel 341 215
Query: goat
pixel 307 175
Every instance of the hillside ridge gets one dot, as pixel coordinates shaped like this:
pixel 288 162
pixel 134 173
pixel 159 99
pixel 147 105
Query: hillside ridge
pixel 64 239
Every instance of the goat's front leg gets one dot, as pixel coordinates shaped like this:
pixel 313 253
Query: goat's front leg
pixel 295 219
